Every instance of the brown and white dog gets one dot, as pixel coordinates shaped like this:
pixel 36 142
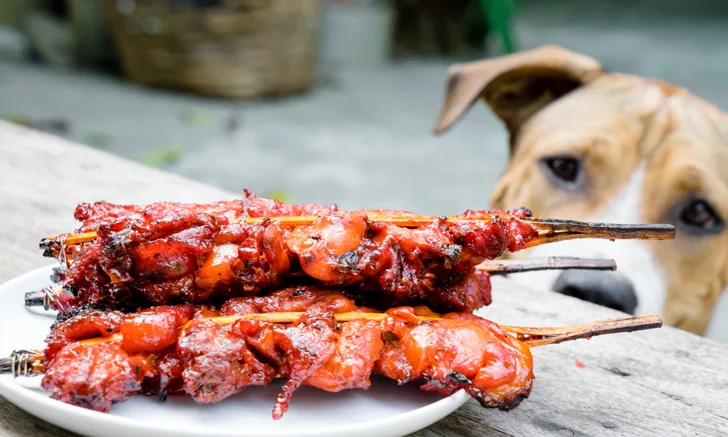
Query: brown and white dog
pixel 591 145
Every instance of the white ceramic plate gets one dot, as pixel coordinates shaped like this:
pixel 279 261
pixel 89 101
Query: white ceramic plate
pixel 384 410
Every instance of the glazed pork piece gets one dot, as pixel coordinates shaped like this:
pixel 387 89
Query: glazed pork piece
pixel 97 215
pixel 181 253
pixel 99 358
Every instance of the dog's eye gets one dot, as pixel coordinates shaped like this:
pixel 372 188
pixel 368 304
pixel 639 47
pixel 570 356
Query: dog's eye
pixel 565 168
pixel 699 215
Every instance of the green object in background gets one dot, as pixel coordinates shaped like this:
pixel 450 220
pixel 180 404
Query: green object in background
pixel 14 12
pixel 500 21
pixel 196 117
pixel 93 42
pixel 161 157
pixel 281 196
pixel 96 139
pixel 17 119
pixel 55 126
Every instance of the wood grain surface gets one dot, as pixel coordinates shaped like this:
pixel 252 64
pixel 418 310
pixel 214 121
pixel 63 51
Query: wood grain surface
pixel 663 382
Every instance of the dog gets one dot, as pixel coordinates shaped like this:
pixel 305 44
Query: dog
pixel 586 144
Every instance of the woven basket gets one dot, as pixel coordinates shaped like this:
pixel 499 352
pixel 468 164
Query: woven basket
pixel 225 48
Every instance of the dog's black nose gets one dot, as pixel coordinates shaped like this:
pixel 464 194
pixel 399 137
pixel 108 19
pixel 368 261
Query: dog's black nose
pixel 609 289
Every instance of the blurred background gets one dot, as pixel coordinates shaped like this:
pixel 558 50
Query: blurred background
pixel 319 101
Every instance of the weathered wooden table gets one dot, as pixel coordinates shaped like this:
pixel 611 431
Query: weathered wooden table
pixel 654 383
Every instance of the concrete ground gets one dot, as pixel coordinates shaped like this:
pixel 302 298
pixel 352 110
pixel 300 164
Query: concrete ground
pixel 364 139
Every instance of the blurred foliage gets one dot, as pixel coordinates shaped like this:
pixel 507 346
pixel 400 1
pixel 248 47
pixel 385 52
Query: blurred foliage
pixel 55 126
pixel 13 118
pixel 96 139
pixel 196 117
pixel 281 196
pixel 162 157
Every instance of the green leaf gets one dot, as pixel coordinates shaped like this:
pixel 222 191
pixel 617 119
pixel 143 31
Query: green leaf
pixel 161 157
pixel 96 139
pixel 196 117
pixel 281 196
pixel 17 119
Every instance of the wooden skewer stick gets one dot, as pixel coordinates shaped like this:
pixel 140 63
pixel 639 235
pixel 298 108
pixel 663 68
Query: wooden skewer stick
pixel 506 266
pixel 290 317
pixel 24 362
pixel 532 336
pixel 30 362
pixel 549 230
pixel 290 221
pixel 535 337
pixel 48 296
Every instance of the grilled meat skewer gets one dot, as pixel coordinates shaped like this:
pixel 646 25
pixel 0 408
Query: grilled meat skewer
pixel 190 255
pixel 99 358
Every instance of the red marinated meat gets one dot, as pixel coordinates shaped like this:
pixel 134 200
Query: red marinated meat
pixel 211 359
pixel 202 258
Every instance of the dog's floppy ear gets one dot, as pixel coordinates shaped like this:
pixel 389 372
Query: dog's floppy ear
pixel 515 86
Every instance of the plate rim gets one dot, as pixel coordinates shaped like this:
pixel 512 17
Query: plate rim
pixel 43 407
